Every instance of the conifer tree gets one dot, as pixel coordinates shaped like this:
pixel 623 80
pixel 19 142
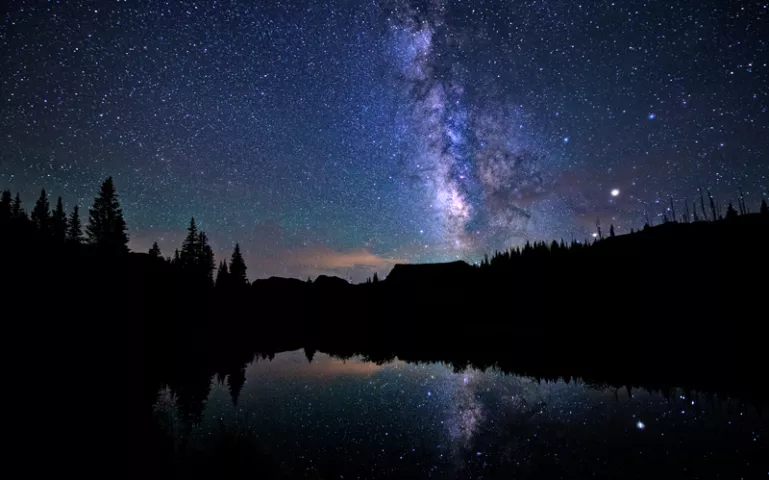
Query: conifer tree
pixel 41 215
pixel 190 249
pixel 764 207
pixel 238 268
pixel 611 230
pixel 731 213
pixel 177 259
pixel 6 202
pixel 712 206
pixel 154 251
pixel 17 211
pixel 376 278
pixel 75 228
pixel 207 264
pixel 222 275
pixel 59 222
pixel 106 226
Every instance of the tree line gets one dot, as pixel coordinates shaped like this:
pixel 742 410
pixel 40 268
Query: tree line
pixel 555 249
pixel 106 232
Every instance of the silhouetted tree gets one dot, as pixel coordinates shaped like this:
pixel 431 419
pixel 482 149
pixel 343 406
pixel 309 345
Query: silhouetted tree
pixel 222 275
pixel 17 211
pixel 309 352
pixel 106 226
pixel 177 259
pixel 764 208
pixel 731 213
pixel 672 210
pixel 197 257
pixel 75 228
pixel 154 251
pixel 59 222
pixel 687 217
pixel 238 268
pixel 190 252
pixel 712 206
pixel 375 279
pixel 41 213
pixel 6 201
pixel 611 230
pixel 743 207
pixel 207 264
pixel 235 381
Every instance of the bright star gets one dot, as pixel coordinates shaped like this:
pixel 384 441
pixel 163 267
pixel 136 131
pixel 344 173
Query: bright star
pixel 565 139
pixel 615 192
pixel 652 116
pixel 640 425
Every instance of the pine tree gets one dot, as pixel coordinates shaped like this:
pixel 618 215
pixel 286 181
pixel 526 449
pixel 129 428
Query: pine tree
pixel 6 202
pixel 154 251
pixel 673 210
pixel 75 228
pixel 764 208
pixel 207 264
pixel 177 259
pixel 59 222
pixel 611 230
pixel 743 208
pixel 222 275
pixel 106 226
pixel 376 278
pixel 731 213
pixel 41 216
pixel 188 257
pixel 17 211
pixel 238 268
pixel 712 206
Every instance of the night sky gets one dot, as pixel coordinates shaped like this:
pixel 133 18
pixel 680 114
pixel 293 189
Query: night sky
pixel 341 137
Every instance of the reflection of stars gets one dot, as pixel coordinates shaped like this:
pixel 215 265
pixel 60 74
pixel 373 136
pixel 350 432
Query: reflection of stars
pixel 466 411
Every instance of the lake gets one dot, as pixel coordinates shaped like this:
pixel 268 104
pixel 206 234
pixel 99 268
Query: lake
pixel 344 419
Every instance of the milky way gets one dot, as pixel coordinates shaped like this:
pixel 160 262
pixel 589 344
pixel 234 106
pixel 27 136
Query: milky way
pixel 342 137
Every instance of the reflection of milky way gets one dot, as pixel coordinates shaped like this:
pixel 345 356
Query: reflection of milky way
pixel 353 419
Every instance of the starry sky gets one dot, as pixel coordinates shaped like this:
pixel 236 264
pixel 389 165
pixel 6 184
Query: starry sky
pixel 344 136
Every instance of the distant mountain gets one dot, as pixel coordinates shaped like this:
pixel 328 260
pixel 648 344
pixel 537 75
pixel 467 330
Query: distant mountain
pixel 430 273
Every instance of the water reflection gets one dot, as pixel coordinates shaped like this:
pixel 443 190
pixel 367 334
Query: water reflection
pixel 334 418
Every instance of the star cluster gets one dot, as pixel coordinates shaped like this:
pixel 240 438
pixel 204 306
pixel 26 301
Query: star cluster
pixel 342 137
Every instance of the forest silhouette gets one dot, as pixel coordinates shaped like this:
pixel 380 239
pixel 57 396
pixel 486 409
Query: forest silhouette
pixel 678 304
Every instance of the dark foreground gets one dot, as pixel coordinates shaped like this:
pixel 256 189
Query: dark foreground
pixel 101 347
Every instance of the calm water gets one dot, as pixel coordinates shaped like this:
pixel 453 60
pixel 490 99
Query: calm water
pixel 355 419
